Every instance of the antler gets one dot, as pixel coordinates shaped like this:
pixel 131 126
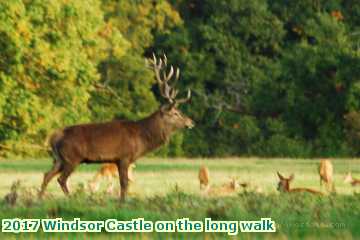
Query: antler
pixel 166 90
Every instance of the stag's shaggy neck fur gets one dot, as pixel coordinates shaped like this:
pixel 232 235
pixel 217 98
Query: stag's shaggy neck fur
pixel 154 131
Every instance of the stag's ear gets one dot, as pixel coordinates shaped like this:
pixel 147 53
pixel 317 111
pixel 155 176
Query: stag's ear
pixel 164 108
pixel 167 107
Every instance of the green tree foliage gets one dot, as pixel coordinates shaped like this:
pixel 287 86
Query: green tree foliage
pixel 48 64
pixel 279 75
pixel 269 78
pixel 225 47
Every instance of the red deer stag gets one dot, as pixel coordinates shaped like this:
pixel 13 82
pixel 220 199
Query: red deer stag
pixel 284 185
pixel 118 141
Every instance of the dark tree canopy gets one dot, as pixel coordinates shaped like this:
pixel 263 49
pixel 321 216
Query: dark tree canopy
pixel 269 78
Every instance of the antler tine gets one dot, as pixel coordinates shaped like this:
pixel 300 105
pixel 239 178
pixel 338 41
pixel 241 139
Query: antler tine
pixel 165 59
pixel 155 64
pixel 173 93
pixel 170 74
pixel 154 58
pixel 177 74
pixel 168 93
pixel 184 100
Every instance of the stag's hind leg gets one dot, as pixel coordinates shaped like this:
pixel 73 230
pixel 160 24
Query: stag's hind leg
pixel 67 170
pixel 49 175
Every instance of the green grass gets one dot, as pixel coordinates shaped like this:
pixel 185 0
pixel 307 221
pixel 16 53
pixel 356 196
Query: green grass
pixel 168 189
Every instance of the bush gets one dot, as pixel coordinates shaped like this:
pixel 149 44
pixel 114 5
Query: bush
pixel 281 146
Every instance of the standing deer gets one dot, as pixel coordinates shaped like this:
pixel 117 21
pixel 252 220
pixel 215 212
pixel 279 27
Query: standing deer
pixel 326 173
pixel 204 177
pixel 350 179
pixel 284 185
pixel 109 171
pixel 118 141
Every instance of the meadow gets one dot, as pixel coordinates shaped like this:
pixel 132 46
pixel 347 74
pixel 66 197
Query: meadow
pixel 168 189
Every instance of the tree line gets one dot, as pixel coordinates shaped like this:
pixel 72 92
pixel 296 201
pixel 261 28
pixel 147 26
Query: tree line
pixel 269 78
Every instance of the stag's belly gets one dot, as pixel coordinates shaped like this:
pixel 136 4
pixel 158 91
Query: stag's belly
pixel 111 152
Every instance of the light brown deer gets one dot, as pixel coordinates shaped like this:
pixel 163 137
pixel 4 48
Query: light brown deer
pixel 350 179
pixel 109 171
pixel 119 141
pixel 204 178
pixel 228 188
pixel 326 173
pixel 284 186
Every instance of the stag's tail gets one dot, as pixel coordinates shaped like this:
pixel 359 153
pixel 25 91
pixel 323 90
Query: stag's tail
pixel 54 141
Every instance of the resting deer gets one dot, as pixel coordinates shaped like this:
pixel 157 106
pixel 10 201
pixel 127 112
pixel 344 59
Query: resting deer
pixel 204 178
pixel 284 185
pixel 226 189
pixel 350 179
pixel 109 171
pixel 249 187
pixel 118 141
pixel 326 174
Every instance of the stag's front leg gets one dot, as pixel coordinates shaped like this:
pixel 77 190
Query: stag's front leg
pixel 124 180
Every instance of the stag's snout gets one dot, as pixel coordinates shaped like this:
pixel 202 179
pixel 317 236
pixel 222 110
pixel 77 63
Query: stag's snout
pixel 189 123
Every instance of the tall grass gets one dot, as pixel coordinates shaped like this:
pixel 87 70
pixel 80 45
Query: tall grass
pixel 168 190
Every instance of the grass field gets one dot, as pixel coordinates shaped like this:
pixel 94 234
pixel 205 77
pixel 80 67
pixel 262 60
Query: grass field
pixel 169 189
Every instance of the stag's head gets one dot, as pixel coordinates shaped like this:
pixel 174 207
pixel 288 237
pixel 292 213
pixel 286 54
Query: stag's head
pixel 169 112
pixel 284 183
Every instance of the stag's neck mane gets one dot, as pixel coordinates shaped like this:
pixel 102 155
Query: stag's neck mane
pixel 154 131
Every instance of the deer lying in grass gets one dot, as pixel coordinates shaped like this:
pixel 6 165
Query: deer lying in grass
pixel 120 142
pixel 249 187
pixel 326 173
pixel 109 171
pixel 226 189
pixel 284 186
pixel 204 178
pixel 350 179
